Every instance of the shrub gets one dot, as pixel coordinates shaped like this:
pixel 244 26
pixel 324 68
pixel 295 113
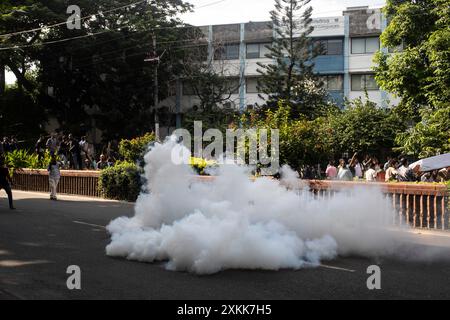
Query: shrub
pixel 19 159
pixel 199 165
pixel 121 182
pixel 134 150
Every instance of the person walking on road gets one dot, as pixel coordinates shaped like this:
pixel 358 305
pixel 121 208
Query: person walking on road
pixel 54 176
pixel 6 182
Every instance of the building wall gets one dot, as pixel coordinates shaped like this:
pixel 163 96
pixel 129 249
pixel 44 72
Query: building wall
pixel 356 23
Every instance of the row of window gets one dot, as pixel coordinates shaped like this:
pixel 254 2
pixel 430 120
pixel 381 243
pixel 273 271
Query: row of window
pixel 359 82
pixel 326 47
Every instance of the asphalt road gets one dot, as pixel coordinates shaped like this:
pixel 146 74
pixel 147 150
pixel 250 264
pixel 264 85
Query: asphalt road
pixel 41 239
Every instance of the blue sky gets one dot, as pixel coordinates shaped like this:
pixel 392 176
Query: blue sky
pixel 235 11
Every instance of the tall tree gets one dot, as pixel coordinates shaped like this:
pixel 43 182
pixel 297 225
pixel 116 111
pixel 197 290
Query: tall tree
pixel 101 74
pixel 418 67
pixel 293 53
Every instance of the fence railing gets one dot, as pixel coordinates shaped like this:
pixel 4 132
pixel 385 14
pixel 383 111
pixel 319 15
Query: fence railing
pixel 418 205
pixel 84 183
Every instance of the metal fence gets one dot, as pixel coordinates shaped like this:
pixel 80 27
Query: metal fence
pixel 84 183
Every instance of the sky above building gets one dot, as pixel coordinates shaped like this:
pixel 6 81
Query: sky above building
pixel 209 12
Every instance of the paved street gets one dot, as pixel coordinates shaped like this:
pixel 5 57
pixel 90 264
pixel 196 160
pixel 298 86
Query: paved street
pixel 41 239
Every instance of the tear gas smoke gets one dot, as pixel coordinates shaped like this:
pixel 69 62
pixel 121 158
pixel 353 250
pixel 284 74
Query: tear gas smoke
pixel 232 222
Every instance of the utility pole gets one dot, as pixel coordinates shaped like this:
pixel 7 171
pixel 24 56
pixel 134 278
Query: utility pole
pixel 2 78
pixel 178 102
pixel 156 89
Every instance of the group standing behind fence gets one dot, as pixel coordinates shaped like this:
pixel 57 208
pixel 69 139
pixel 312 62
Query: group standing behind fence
pixel 73 153
pixel 370 170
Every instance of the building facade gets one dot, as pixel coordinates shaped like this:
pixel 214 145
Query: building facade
pixel 350 42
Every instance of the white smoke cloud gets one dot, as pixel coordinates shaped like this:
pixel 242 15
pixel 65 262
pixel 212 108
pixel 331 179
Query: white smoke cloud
pixel 233 222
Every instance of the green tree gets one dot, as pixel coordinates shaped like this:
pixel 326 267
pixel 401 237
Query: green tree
pixel 99 79
pixel 302 141
pixel 293 52
pixel 429 137
pixel 363 127
pixel 420 73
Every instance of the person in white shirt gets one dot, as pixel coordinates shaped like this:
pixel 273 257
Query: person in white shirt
pixel 391 172
pixel 358 169
pixel 54 176
pixel 371 174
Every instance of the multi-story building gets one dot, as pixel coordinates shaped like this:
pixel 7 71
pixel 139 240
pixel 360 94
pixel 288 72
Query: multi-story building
pixel 349 41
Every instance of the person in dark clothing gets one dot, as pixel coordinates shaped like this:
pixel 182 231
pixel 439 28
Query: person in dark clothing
pixel 5 182
pixel 74 149
pixel 40 147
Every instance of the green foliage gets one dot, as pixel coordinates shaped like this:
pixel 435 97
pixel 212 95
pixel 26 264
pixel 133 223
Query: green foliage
pixel 200 165
pixel 21 159
pixel 121 182
pixel 419 74
pixel 429 137
pixel 292 77
pixel 134 150
pixel 363 127
pixel 101 77
pixel 302 141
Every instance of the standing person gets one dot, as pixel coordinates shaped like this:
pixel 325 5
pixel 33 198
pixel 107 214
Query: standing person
pixel 6 145
pixel 391 172
pixel 371 174
pixel 358 169
pixel 344 173
pixel 63 151
pixel 331 171
pixel 6 182
pixel 84 146
pixel 52 144
pixel 40 147
pixel 54 175
pixel 74 150
pixel 387 165
pixel 102 164
pixel 404 173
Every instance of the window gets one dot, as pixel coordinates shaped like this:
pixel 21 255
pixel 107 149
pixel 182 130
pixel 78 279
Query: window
pixel 264 49
pixel 257 50
pixel 253 51
pixel 227 52
pixel 333 82
pixel 252 85
pixel 372 45
pixel 334 47
pixel 365 45
pixel 361 82
pixel 330 47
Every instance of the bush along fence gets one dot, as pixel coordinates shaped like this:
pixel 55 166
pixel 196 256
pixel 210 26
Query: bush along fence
pixel 418 205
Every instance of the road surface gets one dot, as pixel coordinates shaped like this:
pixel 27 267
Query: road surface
pixel 41 239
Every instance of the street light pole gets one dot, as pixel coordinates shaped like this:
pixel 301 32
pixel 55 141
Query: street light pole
pixel 156 88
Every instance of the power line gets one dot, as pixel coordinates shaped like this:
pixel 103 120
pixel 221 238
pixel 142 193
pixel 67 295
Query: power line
pixel 102 12
pixel 65 22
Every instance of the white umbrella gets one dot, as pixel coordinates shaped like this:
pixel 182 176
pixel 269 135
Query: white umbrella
pixel 433 163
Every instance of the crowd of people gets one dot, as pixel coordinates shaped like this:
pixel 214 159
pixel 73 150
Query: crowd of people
pixel 371 170
pixel 73 153
pixel 8 144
